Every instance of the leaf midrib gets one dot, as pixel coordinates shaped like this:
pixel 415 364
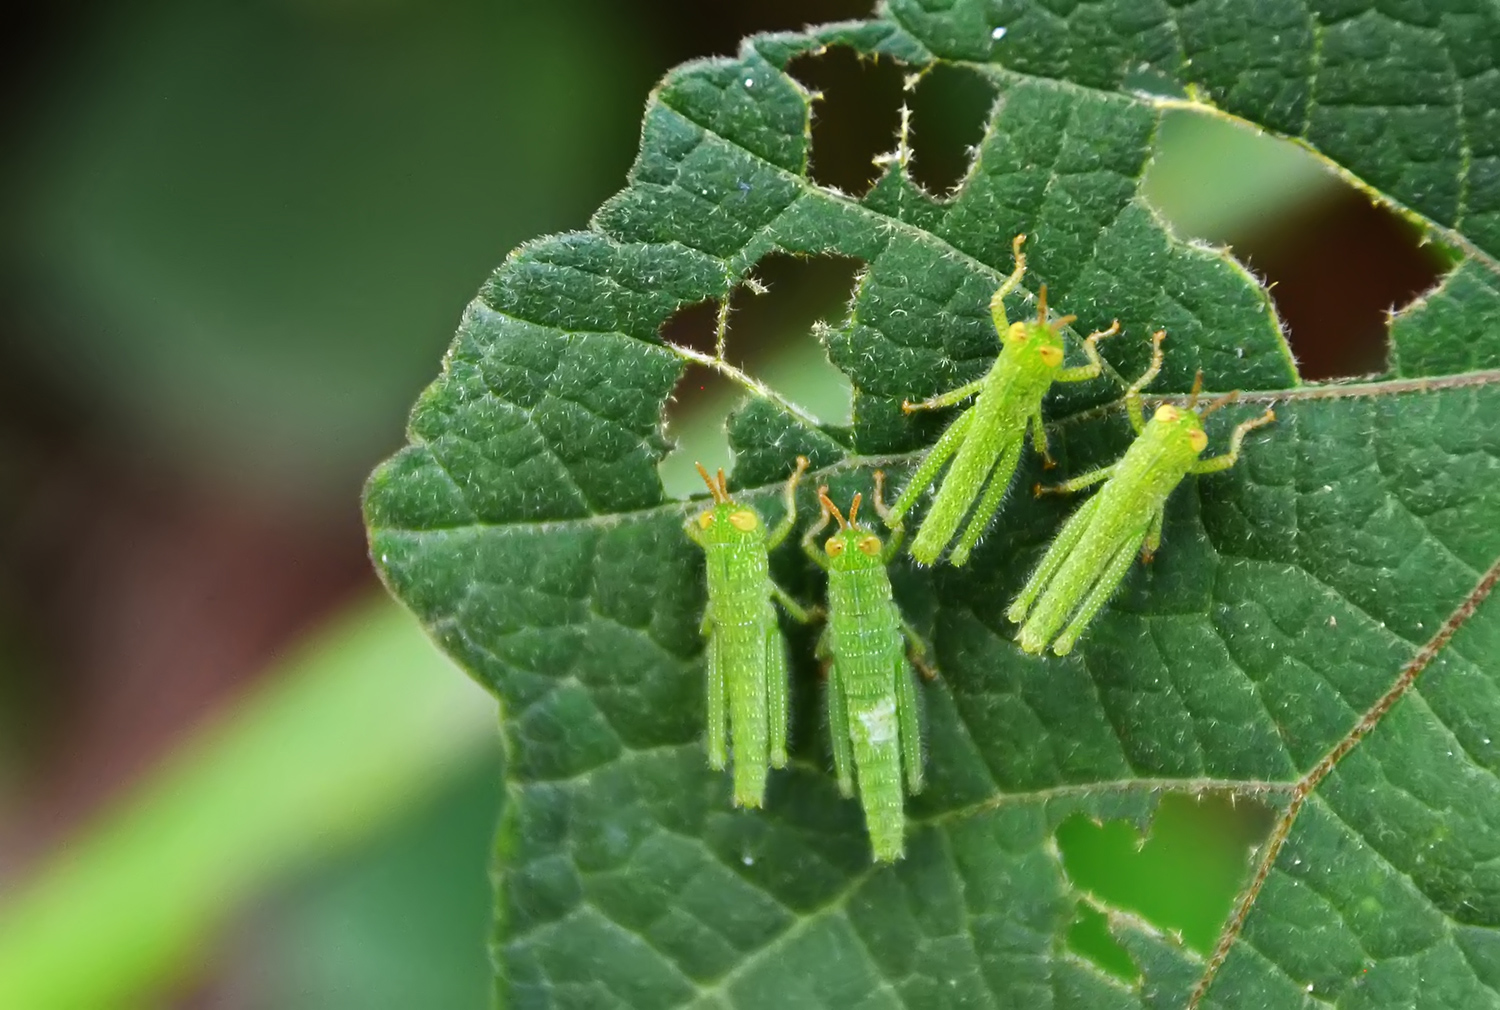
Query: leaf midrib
pixel 1309 392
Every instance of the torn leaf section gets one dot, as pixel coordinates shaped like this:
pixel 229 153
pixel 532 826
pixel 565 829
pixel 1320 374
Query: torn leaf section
pixel 767 333
pixel 1063 167
pixel 1453 328
pixel 951 107
pixel 1089 937
pixel 1398 95
pixel 1334 261
pixel 1181 876
pixel 1219 181
pixel 856 115
pixel 1336 269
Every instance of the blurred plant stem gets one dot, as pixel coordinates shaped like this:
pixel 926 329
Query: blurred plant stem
pixel 357 726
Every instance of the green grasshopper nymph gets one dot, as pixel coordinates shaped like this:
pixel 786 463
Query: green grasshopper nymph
pixel 747 668
pixel 985 441
pixel 872 699
pixel 1092 552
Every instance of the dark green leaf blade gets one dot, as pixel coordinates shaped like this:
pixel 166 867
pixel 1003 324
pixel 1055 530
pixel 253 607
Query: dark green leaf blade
pixel 1292 597
pixel 1405 96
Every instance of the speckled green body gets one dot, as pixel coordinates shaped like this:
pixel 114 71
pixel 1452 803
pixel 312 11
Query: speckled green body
pixel 746 660
pixel 746 654
pixel 873 720
pixel 1088 559
pixel 989 437
pixel 985 441
pixel 1094 550
pixel 870 690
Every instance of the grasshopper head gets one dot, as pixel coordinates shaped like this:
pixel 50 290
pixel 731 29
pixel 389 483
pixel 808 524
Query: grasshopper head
pixel 1185 423
pixel 852 546
pixel 1040 337
pixel 728 521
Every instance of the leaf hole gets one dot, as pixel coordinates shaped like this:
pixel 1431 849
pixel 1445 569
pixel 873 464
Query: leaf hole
pixel 856 119
pixel 1336 263
pixel 770 336
pixel 1182 877
pixel 1339 268
pixel 687 29
pixel 1089 937
pixel 950 109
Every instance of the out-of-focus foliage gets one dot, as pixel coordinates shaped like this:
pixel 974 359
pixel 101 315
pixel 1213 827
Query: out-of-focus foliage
pixel 398 924
pixel 263 214
pixel 352 730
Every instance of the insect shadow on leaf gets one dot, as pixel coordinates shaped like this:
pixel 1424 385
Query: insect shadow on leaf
pixel 1094 549
pixel 985 441
pixel 873 718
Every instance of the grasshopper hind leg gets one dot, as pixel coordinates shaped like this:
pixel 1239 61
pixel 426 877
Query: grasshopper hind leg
pixel 908 719
pixel 718 706
pixel 994 494
pixel 838 720
pixel 937 456
pixel 1104 587
pixel 1072 532
pixel 776 697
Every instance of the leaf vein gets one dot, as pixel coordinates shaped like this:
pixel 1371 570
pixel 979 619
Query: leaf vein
pixel 1309 782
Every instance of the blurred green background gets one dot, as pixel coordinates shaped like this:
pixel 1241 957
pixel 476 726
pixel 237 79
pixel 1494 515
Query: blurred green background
pixel 235 240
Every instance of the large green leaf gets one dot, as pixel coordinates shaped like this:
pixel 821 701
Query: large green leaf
pixel 1314 633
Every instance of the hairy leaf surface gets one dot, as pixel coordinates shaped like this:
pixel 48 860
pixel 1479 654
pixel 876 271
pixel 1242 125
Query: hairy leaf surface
pixel 1314 634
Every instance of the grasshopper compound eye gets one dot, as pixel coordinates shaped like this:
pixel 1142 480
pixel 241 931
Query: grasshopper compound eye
pixel 834 546
pixel 870 544
pixel 744 520
pixel 705 520
pixel 1166 414
pixel 1198 439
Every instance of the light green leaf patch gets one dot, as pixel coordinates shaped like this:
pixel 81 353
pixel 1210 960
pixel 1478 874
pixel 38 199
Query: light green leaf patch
pixel 1314 633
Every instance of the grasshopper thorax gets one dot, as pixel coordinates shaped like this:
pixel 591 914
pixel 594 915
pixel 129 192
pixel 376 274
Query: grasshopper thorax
pixel 1041 338
pixel 728 522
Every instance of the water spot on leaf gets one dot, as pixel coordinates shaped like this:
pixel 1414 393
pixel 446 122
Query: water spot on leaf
pixel 856 120
pixel 1145 79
